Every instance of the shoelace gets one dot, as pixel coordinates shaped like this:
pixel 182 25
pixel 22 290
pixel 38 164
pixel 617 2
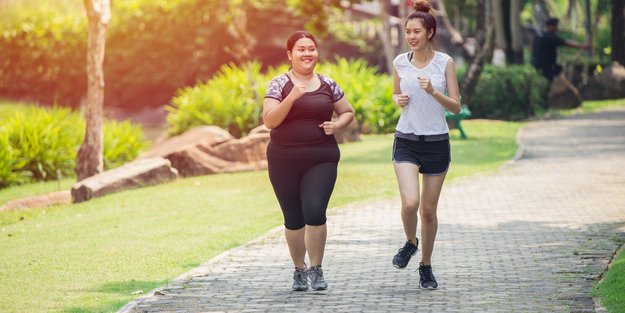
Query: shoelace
pixel 406 250
pixel 300 276
pixel 426 273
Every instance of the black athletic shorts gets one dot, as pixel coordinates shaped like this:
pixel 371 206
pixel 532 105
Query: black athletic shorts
pixel 432 157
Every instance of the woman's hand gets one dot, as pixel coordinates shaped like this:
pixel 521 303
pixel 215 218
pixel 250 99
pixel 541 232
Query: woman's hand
pixel 299 89
pixel 426 85
pixel 401 100
pixel 328 127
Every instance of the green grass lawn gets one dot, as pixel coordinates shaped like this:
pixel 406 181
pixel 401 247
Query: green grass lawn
pixel 35 189
pixel 589 106
pixel 92 257
pixel 612 289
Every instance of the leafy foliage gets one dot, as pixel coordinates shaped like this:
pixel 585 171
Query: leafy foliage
pixel 231 99
pixel 152 49
pixel 39 144
pixel 317 12
pixel 368 92
pixel 122 143
pixel 510 93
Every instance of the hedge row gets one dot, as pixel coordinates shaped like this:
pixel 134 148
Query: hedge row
pixel 511 93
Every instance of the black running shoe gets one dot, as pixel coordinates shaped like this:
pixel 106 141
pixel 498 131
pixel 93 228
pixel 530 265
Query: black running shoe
pixel 427 280
pixel 401 259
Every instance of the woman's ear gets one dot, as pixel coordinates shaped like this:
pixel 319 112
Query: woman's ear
pixel 288 54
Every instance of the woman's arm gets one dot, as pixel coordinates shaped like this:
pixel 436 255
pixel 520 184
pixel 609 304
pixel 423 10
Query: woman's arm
pixel 274 111
pixel 345 113
pixel 399 98
pixel 452 101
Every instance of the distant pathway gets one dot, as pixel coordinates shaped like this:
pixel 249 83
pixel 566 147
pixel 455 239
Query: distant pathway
pixel 530 238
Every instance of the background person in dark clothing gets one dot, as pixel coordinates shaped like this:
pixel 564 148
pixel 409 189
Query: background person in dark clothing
pixel 545 49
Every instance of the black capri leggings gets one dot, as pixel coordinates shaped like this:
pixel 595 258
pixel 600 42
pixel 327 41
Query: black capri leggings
pixel 303 188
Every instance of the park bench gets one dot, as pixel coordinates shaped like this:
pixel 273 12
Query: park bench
pixel 454 120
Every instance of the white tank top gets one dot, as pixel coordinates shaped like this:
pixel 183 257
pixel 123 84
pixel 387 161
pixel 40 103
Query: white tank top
pixel 423 115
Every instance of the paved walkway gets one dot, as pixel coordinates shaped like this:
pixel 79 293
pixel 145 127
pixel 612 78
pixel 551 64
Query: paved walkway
pixel 532 237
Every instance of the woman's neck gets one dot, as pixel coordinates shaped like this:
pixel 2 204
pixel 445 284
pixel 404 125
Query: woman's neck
pixel 301 76
pixel 422 55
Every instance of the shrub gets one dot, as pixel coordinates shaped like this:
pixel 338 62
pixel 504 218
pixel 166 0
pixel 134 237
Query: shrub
pixel 368 92
pixel 122 143
pixel 35 143
pixel 232 99
pixel 44 140
pixel 513 93
pixel 8 162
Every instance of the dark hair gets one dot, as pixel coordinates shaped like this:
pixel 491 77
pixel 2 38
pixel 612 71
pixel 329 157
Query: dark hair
pixel 552 22
pixel 423 11
pixel 297 36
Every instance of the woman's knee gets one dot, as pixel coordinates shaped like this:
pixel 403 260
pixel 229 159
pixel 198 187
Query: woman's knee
pixel 315 216
pixel 294 224
pixel 293 218
pixel 410 206
pixel 428 214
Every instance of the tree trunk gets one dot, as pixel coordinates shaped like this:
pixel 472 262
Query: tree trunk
pixel 588 26
pixel 90 155
pixel 618 31
pixel 500 29
pixel 385 34
pixel 516 32
pixel 506 10
pixel 403 14
pixel 483 46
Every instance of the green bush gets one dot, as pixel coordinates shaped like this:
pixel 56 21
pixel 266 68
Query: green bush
pixel 368 92
pixel 513 92
pixel 232 99
pixel 8 162
pixel 122 143
pixel 44 140
pixel 35 143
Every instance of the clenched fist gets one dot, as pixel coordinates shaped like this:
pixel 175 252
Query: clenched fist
pixel 299 89
pixel 426 85
pixel 328 127
pixel 401 100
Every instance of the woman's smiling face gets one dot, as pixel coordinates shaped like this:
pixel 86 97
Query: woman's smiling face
pixel 416 35
pixel 304 55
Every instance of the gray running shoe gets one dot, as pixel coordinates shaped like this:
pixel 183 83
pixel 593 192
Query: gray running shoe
pixel 317 281
pixel 300 280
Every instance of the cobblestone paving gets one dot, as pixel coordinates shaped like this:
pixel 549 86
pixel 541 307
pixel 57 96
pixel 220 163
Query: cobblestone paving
pixel 532 237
